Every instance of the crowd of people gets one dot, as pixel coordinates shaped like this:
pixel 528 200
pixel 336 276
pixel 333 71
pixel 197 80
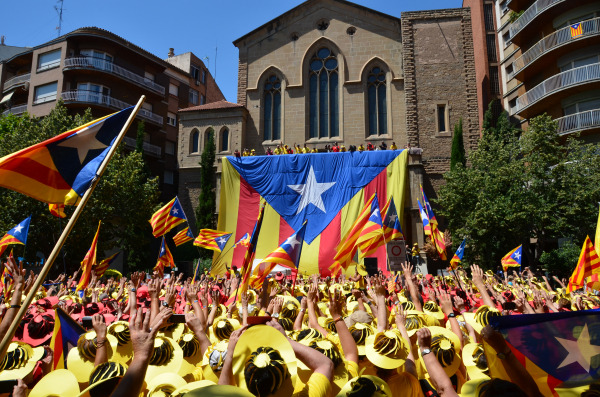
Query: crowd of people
pixel 360 335
pixel 297 149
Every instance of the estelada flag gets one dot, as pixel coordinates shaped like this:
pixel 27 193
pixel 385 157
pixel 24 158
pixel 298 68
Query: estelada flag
pixel 105 264
pixel 458 255
pixel 61 169
pixel 428 209
pixel 212 239
pixel 246 268
pixel 348 244
pixel 329 190
pixel 58 210
pixel 164 256
pixel 424 219
pixel 391 229
pixel 88 262
pixel 559 350
pixel 372 231
pixel 588 264
pixel 16 235
pixel 576 30
pixel 167 218
pixel 183 237
pixel 65 336
pixel 513 258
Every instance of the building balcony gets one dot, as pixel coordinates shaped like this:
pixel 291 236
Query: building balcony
pixel 16 81
pixel 15 110
pixel 105 66
pixel 552 47
pixel 579 122
pixel 98 99
pixel 556 88
pixel 150 149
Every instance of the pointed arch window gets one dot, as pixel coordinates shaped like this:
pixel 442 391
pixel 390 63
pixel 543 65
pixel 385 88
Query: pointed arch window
pixel 377 94
pixel 272 108
pixel 195 141
pixel 323 77
pixel 225 140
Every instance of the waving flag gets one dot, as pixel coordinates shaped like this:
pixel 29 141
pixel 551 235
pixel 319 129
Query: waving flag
pixel 597 238
pixel 183 237
pixel 167 218
pixel 16 235
pixel 391 287
pixel 587 265
pixel 513 258
pixel 7 281
pixel 246 268
pixel 372 231
pixel 348 244
pixel 212 239
pixel 58 210
pixel 64 338
pixel 428 208
pixel 105 264
pixel 164 256
pixel 458 255
pixel 88 263
pixel 424 219
pixel 244 241
pixel 391 229
pixel 576 30
pixel 557 349
pixel 287 255
pixel 60 170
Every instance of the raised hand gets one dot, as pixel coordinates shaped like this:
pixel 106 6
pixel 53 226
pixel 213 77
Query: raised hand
pixel 407 269
pixel 477 276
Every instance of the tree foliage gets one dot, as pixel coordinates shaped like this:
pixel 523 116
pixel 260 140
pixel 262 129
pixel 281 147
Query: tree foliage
pixel 457 155
pixel 207 203
pixel 124 199
pixel 522 187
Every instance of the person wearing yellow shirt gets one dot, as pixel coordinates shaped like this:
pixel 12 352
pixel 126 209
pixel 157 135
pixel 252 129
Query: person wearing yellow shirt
pixel 361 148
pixel 315 150
pixel 297 148
pixel 305 149
pixel 277 150
pixel 393 146
pixel 342 148
pixel 253 152
pixel 246 153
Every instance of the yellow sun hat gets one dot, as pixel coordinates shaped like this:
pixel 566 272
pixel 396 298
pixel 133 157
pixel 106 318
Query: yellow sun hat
pixel 356 385
pixel 80 360
pixel 264 350
pixel 166 357
pixel 445 346
pixel 192 355
pixel 472 359
pixel 180 391
pixel 331 351
pixel 103 373
pixel 481 317
pixel 361 269
pixel 473 387
pixel 173 331
pixel 213 360
pixel 60 382
pixel 20 360
pixel 360 332
pixel 164 384
pixel 220 391
pixel 434 310
pixel 222 329
pixel 124 351
pixel 387 349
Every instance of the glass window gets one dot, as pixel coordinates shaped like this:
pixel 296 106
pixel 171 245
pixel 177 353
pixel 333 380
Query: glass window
pixel 377 101
pixel 149 76
pixel 195 141
pixel 272 108
pixel 168 177
pixel 193 96
pixel 45 93
pixel 171 119
pixel 195 71
pixel 169 147
pixel 202 99
pixel 173 90
pixel 225 140
pixel 585 106
pixel 441 118
pixel 204 77
pixel 96 93
pixel 323 95
pixel 147 106
pixel 49 60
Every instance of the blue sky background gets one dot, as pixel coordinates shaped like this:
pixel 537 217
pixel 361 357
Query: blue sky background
pixel 186 25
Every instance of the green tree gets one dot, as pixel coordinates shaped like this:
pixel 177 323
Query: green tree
pixel 124 199
pixel 522 187
pixel 457 156
pixel 561 261
pixel 139 139
pixel 205 212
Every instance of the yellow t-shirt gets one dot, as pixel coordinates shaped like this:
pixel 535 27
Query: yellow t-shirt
pixel 393 147
pixel 360 284
pixel 318 386
pixel 404 385
pixel 305 150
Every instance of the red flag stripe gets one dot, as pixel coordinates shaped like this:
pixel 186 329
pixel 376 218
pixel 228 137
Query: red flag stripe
pixel 249 205
pixel 330 238
pixel 379 185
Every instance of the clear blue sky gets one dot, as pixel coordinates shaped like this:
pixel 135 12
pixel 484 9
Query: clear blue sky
pixel 186 25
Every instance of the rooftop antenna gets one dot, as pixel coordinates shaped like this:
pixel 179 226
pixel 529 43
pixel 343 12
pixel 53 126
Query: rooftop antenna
pixel 59 11
pixel 208 61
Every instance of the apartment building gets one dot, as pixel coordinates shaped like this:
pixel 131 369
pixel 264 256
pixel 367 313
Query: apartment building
pixel 94 68
pixel 550 62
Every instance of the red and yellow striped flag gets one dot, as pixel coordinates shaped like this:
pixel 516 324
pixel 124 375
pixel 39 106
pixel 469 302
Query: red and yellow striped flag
pixel 167 218
pixel 576 30
pixel 88 263
pixel 588 264
pixel 58 210
pixel 105 264
pixel 183 237
pixel 347 247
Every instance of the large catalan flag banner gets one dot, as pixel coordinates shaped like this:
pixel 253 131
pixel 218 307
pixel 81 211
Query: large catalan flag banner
pixel 560 350
pixel 328 190
pixel 60 170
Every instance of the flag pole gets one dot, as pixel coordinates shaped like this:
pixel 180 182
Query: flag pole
pixel 62 250
pixel 65 233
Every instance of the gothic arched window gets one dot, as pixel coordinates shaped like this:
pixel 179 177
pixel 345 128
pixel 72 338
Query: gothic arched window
pixel 323 95
pixel 377 94
pixel 195 141
pixel 225 140
pixel 272 108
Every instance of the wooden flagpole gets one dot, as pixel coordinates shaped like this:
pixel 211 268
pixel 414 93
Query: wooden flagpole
pixel 65 233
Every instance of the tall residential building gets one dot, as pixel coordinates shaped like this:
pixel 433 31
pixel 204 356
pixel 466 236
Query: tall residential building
pixel 550 62
pixel 96 69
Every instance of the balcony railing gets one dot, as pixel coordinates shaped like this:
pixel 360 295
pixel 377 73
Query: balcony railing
pixel 152 150
pixel 536 8
pixel 107 66
pixel 562 80
pixel 578 121
pixel 15 110
pixel 13 81
pixel 589 28
pixel 108 101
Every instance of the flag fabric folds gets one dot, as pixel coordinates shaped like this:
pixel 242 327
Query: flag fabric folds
pixel 105 264
pixel 428 209
pixel 16 235
pixel 424 219
pixel 372 232
pixel 348 245
pixel 513 258
pixel 458 255
pixel 437 238
pixel 212 239
pixel 183 237
pixel 597 238
pixel 66 332
pixel 391 229
pixel 164 256
pixel 58 210
pixel 557 349
pixel 7 281
pixel 60 169
pixel 88 263
pixel 588 264
pixel 576 30
pixel 246 268
pixel 167 218
pixel 244 241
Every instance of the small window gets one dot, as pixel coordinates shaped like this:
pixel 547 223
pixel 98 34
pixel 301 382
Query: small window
pixel 169 147
pixel 147 106
pixel 204 77
pixel 174 90
pixel 377 98
pixel 195 71
pixel 149 76
pixel 168 177
pixel 488 14
pixel 49 60
pixel 45 93
pixel 202 99
pixel 490 40
pixel 172 119
pixel 494 80
pixel 195 141
pixel 225 140
pixel 441 118
pixel 506 38
pixel 512 104
pixel 509 70
pixel 193 96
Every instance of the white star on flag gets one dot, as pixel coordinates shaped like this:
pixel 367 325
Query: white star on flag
pixel 175 211
pixel 459 250
pixel 393 218
pixel 311 192
pixel 221 240
pixel 517 255
pixel 580 351
pixel 292 241
pixel 84 141
pixel 18 229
